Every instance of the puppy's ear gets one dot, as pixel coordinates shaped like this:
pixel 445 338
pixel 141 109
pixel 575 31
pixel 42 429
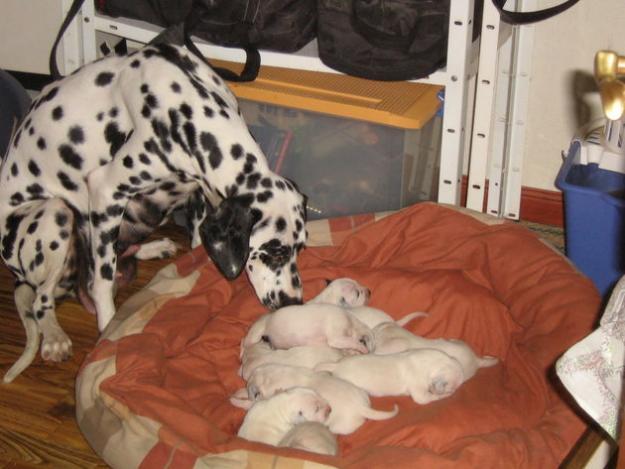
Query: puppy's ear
pixel 225 234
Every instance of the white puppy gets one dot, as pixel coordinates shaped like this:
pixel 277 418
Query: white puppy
pixel 350 294
pixel 390 338
pixel 350 404
pixel 344 292
pixel 310 324
pixel 311 436
pixel 269 421
pixel 426 375
pixel 307 356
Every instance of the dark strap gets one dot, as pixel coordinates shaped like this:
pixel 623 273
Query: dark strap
pixel 249 72
pixel 527 17
pixel 72 12
pixel 252 55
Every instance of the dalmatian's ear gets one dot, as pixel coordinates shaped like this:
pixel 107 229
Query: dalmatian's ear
pixel 225 234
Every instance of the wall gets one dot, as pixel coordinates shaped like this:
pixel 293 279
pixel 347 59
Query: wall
pixel 562 91
pixel 563 94
pixel 27 31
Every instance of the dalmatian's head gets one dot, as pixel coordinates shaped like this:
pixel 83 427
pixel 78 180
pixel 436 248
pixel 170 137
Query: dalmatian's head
pixel 263 233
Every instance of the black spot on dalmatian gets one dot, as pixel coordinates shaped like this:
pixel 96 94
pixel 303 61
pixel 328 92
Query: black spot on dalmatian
pixel 190 136
pixel 57 113
pixel 76 135
pixel 144 88
pixel 49 96
pixel 114 137
pixel 167 186
pixel 280 224
pixel 146 111
pixel 54 245
pixel 66 182
pixel 11 226
pixel 35 190
pixel 266 183
pixel 236 151
pixel 219 100
pixel 106 272
pixel 145 159
pixel 14 170
pixel 280 185
pixel 113 112
pixel 252 180
pixel 240 179
pixel 128 163
pixel 104 78
pixel 16 139
pixel 41 143
pixel 224 114
pixel 32 227
pixel 208 112
pixel 41 313
pixel 61 219
pixel 134 180
pixel 70 157
pixel 186 110
pixel 145 176
pixel 135 63
pixel 175 87
pixel 151 101
pixel 16 198
pixel 100 116
pixel 209 144
pixel 263 197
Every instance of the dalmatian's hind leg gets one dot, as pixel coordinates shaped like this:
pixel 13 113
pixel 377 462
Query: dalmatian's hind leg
pixel 44 235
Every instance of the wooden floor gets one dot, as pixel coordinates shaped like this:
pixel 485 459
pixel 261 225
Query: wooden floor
pixel 37 411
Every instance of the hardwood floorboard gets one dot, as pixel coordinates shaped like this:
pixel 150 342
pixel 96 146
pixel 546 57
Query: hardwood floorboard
pixel 37 411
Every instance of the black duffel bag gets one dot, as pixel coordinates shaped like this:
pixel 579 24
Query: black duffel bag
pixel 397 39
pixel 279 25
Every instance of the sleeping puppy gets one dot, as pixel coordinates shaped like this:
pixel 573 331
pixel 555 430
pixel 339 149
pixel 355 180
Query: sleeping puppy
pixel 426 375
pixel 350 404
pixel 307 356
pixel 350 294
pixel 390 338
pixel 269 421
pixel 344 292
pixel 310 324
pixel 311 436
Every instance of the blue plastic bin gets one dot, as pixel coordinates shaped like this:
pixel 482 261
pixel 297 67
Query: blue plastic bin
pixel 594 210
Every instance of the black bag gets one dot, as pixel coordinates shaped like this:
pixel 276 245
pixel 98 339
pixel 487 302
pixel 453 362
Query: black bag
pixel 396 39
pixel 280 25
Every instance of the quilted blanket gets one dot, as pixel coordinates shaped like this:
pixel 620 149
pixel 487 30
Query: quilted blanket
pixel 154 391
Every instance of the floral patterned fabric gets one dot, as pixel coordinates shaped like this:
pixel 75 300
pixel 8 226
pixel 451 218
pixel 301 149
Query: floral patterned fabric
pixel 592 370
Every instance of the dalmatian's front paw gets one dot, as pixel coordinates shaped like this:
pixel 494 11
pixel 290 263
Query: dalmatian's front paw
pixel 160 249
pixel 56 347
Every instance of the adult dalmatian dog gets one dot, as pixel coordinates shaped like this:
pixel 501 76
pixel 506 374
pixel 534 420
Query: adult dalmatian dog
pixel 104 156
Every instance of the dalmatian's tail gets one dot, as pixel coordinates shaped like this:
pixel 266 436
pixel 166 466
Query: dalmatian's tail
pixel 24 298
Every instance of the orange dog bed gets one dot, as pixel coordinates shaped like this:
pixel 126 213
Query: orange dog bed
pixel 154 391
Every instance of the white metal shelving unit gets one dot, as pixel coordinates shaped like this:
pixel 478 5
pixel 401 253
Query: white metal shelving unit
pixel 465 63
